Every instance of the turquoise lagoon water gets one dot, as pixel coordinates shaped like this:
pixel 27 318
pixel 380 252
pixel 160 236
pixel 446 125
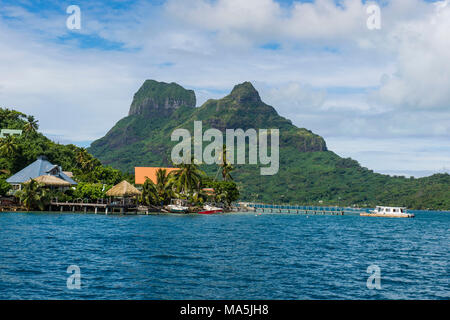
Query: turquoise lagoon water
pixel 230 256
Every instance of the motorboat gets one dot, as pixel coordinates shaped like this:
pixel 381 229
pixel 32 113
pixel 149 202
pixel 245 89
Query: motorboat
pixel 390 212
pixel 177 206
pixel 209 209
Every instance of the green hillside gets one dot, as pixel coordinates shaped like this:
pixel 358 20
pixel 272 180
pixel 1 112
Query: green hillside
pixel 308 174
pixel 17 152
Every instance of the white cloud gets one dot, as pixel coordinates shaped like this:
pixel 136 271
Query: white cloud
pixel 292 98
pixel 418 158
pixel 331 74
pixel 422 78
pixel 259 20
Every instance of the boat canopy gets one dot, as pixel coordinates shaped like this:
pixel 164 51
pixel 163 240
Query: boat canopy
pixel 390 209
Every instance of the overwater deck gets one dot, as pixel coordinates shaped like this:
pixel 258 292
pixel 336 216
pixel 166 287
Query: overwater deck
pixel 100 207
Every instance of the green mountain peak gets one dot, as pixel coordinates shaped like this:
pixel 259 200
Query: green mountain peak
pixel 245 93
pixel 157 99
pixel 309 173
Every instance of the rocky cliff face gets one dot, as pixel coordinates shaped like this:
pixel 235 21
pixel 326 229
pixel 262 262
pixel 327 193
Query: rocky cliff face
pixel 308 172
pixel 158 108
pixel 245 93
pixel 156 99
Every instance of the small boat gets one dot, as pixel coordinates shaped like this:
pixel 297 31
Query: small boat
pixel 389 212
pixel 210 210
pixel 177 209
pixel 177 206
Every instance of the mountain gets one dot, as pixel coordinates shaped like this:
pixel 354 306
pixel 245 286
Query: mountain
pixel 143 137
pixel 160 99
pixel 308 174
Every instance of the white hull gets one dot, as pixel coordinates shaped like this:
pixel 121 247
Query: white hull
pixel 212 208
pixel 176 208
pixel 388 215
pixel 388 212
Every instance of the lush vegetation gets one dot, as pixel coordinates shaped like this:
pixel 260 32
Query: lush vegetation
pixel 94 179
pixel 17 152
pixel 144 139
pixel 4 186
pixel 325 178
pixel 160 193
pixel 34 196
pixel 188 183
pixel 309 173
pixel 90 191
pixel 224 191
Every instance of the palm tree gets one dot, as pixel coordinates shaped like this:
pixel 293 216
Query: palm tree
pixel 164 185
pixel 84 159
pixel 149 193
pixel 159 193
pixel 33 195
pixel 187 178
pixel 8 146
pixel 224 166
pixel 221 196
pixel 31 126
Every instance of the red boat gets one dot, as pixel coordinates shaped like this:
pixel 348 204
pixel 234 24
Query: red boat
pixel 210 210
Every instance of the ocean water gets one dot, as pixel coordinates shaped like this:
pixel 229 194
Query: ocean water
pixel 230 256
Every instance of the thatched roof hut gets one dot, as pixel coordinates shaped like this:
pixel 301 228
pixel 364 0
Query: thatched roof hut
pixel 123 189
pixel 51 181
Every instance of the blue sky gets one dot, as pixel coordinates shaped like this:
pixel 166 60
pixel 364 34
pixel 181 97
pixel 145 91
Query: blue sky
pixel 378 96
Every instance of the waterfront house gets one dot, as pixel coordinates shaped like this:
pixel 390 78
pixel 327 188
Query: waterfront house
pixel 41 167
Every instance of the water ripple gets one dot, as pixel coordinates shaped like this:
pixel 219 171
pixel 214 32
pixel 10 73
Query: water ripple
pixel 235 256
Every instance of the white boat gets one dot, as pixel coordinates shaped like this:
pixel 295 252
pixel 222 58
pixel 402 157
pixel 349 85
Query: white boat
pixel 208 209
pixel 177 206
pixel 391 212
pixel 177 209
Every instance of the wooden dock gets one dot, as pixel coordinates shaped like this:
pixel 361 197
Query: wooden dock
pixel 106 208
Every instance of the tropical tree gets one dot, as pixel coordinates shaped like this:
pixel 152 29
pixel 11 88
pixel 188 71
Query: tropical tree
pixel 31 126
pixel 225 167
pixel 159 193
pixel 90 191
pixel 224 191
pixel 149 193
pixel 187 178
pixel 164 186
pixel 8 146
pixel 4 186
pixel 84 159
pixel 33 195
pixel 199 197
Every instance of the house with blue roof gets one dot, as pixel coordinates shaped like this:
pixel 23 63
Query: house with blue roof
pixel 41 167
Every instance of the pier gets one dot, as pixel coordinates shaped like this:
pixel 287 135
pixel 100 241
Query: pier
pixel 99 207
pixel 297 209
